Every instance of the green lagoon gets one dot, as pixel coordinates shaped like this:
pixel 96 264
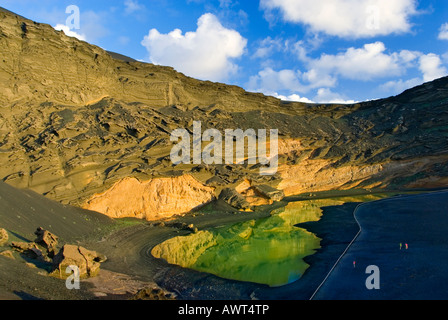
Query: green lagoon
pixel 268 251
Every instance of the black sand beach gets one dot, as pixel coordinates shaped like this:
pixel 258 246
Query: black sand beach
pixel 416 273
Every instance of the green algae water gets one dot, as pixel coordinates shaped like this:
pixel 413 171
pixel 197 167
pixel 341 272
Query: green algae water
pixel 267 251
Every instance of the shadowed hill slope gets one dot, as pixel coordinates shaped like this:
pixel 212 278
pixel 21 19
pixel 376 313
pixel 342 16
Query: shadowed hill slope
pixel 23 211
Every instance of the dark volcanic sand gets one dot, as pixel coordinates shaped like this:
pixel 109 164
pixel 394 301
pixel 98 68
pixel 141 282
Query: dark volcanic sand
pixel 129 244
pixel 21 213
pixel 416 273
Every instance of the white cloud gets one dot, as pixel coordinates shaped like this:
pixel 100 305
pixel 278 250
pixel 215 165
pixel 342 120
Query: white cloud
pixel 268 46
pixel 319 78
pixel 296 97
pixel 407 58
pixel 362 64
pixel 431 66
pixel 293 97
pixel 443 34
pixel 301 51
pixel 269 80
pixel 206 53
pixel 70 33
pixel 366 63
pixel 369 62
pixel 131 6
pixel 325 95
pixel 347 18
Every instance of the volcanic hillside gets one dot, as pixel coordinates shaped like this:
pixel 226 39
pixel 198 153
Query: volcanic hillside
pixel 91 128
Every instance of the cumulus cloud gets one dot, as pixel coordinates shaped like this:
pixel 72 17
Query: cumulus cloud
pixel 319 78
pixel 269 80
pixel 431 67
pixel 206 53
pixel 366 63
pixel 297 98
pixel 370 62
pixel 70 33
pixel 363 64
pixel 347 18
pixel 443 33
pixel 292 97
pixel 325 95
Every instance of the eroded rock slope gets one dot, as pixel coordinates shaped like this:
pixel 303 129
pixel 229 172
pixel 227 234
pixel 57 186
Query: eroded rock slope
pixel 84 128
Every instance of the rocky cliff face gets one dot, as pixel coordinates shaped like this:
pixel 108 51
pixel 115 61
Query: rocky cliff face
pixel 86 129
pixel 153 199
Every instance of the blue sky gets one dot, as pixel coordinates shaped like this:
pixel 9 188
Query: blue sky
pixel 304 50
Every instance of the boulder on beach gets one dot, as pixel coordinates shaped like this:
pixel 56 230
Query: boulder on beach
pixel 46 239
pixel 3 237
pixel 30 250
pixel 87 261
pixel 23 247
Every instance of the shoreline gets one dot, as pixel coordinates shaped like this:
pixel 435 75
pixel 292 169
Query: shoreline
pixel 405 274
